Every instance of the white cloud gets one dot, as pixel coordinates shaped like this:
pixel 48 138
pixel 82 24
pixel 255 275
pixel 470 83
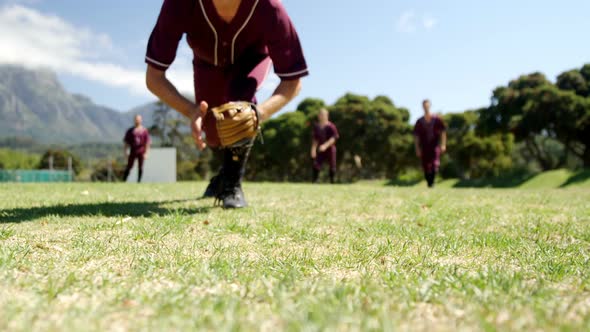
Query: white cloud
pixel 34 39
pixel 27 2
pixel 429 22
pixel 409 22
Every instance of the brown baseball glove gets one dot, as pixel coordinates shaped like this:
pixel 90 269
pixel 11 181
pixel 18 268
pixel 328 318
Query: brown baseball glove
pixel 238 123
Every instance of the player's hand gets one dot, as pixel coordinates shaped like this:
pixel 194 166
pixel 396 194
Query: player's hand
pixel 323 148
pixel 418 153
pixel 197 125
pixel 314 154
pixel 146 156
pixel 443 149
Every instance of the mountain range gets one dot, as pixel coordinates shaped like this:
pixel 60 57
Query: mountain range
pixel 33 103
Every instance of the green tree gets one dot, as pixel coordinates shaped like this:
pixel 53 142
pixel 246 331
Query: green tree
pixel 375 132
pixel 311 106
pixel 573 80
pixel 471 154
pixel 563 115
pixel 12 159
pixel 585 71
pixel 104 169
pixel 161 124
pixel 508 104
pixel 375 140
pixel 540 113
pixel 284 156
pixel 512 112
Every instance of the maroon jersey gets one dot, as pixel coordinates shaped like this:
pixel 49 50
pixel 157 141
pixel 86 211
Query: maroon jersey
pixel 137 139
pixel 231 60
pixel 324 134
pixel 428 135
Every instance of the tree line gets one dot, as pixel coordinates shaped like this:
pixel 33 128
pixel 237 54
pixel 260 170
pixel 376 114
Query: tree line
pixel 57 159
pixel 532 124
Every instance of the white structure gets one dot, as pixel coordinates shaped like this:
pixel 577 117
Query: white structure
pixel 160 167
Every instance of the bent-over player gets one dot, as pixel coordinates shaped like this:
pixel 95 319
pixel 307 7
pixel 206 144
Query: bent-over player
pixel 234 43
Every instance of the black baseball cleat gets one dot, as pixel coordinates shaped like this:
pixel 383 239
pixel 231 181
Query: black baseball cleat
pixel 233 198
pixel 230 195
pixel 214 188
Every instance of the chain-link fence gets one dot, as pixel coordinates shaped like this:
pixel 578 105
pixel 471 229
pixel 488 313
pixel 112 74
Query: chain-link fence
pixel 28 176
pixel 42 175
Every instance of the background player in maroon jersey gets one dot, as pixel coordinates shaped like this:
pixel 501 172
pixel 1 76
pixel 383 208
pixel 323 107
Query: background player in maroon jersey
pixel 431 141
pixel 323 146
pixel 137 146
pixel 234 44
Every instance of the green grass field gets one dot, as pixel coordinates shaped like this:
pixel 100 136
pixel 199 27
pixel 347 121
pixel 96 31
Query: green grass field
pixel 83 257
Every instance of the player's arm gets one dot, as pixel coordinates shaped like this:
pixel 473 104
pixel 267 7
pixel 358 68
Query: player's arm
pixel 161 87
pixel 148 146
pixel 286 53
pixel 332 141
pixel 284 93
pixel 126 150
pixel 314 148
pixel 161 53
pixel 443 134
pixel 329 143
pixel 417 146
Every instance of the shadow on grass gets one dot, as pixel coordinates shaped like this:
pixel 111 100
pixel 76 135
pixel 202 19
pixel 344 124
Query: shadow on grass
pixel 403 182
pixel 581 176
pixel 511 180
pixel 106 209
pixel 504 182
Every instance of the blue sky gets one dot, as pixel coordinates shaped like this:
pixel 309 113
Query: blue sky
pixel 453 52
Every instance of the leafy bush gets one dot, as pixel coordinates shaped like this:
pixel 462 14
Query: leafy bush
pixel 101 171
pixel 60 160
pixel 11 159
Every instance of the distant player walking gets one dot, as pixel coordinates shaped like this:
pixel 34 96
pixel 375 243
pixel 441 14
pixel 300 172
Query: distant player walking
pixel 323 146
pixel 137 146
pixel 431 141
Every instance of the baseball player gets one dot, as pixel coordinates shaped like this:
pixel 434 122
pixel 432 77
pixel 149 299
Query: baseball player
pixel 430 141
pixel 234 42
pixel 323 145
pixel 137 146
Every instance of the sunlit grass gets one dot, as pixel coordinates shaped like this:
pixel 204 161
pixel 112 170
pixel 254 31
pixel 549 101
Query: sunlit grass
pixel 353 257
